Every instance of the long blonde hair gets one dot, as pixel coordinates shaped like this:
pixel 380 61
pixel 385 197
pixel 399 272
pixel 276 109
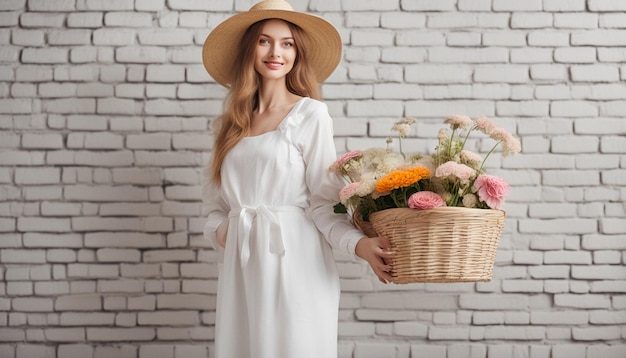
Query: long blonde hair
pixel 242 100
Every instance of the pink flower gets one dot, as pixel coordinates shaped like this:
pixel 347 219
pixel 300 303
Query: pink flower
pixel 510 144
pixel 470 157
pixel 459 121
pixel 485 125
pixel 424 200
pixel 442 135
pixel 491 189
pixel 348 192
pixel 402 128
pixel 454 169
pixel 336 166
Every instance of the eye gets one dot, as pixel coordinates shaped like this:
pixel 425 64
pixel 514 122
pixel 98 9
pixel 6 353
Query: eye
pixel 288 44
pixel 263 41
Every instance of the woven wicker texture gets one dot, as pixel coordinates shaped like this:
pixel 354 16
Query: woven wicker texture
pixel 449 244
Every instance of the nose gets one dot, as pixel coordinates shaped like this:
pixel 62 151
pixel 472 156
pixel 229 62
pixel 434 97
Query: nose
pixel 275 50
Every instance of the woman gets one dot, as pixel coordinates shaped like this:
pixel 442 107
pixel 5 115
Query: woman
pixel 271 197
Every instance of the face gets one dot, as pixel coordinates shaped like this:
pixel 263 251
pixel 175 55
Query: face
pixel 275 50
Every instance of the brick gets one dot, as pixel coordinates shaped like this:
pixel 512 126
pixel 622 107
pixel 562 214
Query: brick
pixel 575 55
pixel 120 286
pixel 78 303
pixel 551 210
pixel 457 92
pixel 503 5
pixel 559 177
pixel 65 334
pixel 94 90
pixel 452 20
pixel 599 38
pixel 598 126
pixel 105 193
pixel 438 74
pixel 195 19
pixel 497 73
pixel 476 55
pixel 130 209
pixel 140 270
pixel 142 303
pixel 567 5
pixel 29 176
pixel 401 20
pixel 523 108
pixel 583 226
pixel 463 39
pixel 177 318
pixel 522 286
pixel 583 301
pixel 113 5
pixel 576 21
pixel 166 37
pixel 123 351
pixel 612 145
pixel 185 301
pixel 34 19
pixel 118 255
pixel 140 54
pixel 32 304
pixel 75 350
pixel 149 5
pixel 598 271
pixel 607 317
pixel 596 333
pixel 61 255
pixel 442 109
pixel 546 38
pixel 595 73
pixel 575 144
pixel 127 19
pixel 493 302
pixel 121 239
pixel 606 351
pixel 12 5
pixel 606 5
pixel 515 333
pixel 85 20
pixel 120 334
pixel 118 224
pixel 612 20
pixel 613 177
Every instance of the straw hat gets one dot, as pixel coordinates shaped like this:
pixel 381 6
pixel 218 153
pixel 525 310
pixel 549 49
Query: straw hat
pixel 220 47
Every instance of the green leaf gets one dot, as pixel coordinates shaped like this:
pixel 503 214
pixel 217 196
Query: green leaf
pixel 339 208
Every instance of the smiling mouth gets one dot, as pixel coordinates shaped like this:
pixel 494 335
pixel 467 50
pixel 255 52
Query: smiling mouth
pixel 274 65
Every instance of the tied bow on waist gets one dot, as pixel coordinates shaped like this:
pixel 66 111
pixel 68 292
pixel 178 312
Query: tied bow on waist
pixel 266 225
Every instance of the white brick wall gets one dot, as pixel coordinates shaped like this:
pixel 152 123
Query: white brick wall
pixel 104 113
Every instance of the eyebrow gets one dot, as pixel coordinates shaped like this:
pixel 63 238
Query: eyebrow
pixel 284 38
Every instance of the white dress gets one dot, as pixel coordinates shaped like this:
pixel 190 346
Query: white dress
pixel 278 290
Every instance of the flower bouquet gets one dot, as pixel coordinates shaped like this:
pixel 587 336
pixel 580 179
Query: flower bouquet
pixel 441 212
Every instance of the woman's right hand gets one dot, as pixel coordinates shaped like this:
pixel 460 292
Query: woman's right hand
pixel 375 250
pixel 221 232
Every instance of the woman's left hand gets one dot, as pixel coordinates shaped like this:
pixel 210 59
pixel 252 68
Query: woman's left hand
pixel 375 250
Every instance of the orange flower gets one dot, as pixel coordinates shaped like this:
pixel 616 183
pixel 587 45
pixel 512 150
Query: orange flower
pixel 401 178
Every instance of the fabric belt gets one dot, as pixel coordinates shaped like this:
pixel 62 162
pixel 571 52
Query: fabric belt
pixel 266 225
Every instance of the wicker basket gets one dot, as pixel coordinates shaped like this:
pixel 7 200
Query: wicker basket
pixel 449 244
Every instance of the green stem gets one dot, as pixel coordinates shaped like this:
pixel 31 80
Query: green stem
pixel 467 136
pixel 487 156
pixel 449 154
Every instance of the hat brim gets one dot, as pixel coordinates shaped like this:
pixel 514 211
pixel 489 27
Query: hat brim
pixel 220 47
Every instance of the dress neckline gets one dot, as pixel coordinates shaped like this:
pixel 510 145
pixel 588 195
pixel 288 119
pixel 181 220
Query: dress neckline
pixel 282 121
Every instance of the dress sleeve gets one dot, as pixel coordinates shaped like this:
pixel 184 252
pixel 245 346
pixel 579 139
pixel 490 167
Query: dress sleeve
pixel 214 207
pixel 318 150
